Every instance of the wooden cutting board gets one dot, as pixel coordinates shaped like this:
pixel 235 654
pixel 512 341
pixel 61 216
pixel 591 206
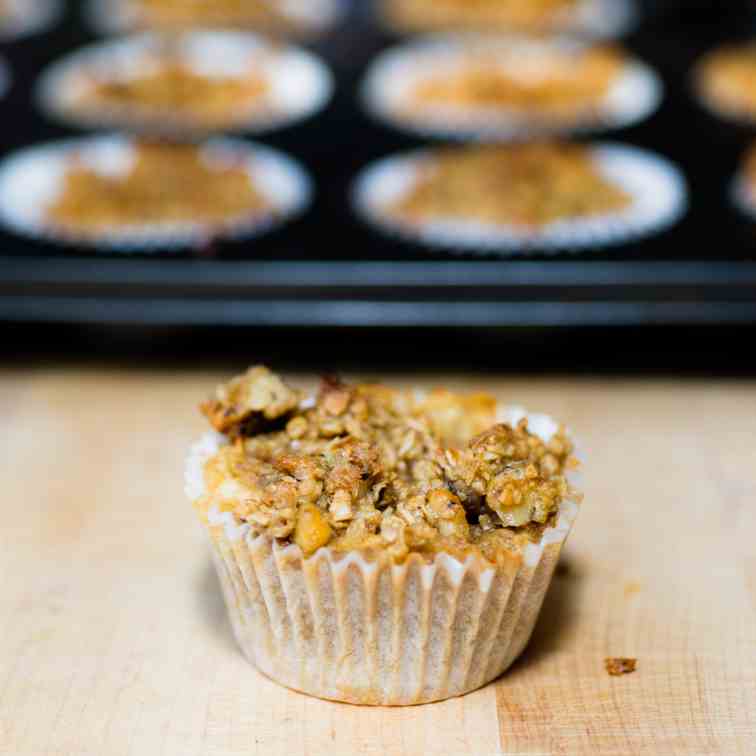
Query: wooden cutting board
pixel 113 638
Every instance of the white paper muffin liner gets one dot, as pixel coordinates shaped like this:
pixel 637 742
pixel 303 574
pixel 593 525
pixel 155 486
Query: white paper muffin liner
pixel 300 84
pixel 387 89
pixel 595 19
pixel 357 628
pixel 32 178
pixel 658 191
pixel 27 17
pixel 304 17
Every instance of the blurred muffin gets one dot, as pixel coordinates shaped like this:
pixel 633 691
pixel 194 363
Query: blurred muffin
pixel 19 18
pixel 137 194
pixel 377 547
pixel 277 16
pixel 598 18
pixel 725 80
pixel 508 87
pixel 521 197
pixel 193 82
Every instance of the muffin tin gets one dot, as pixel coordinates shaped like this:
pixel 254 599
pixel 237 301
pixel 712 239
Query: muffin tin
pixel 329 268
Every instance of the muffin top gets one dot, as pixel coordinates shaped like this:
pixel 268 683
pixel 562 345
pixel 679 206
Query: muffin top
pixel 527 186
pixel 726 79
pixel 484 15
pixel 371 468
pixel 164 182
pixel 550 80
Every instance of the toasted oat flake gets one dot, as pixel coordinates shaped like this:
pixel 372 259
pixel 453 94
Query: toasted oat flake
pixel 618 666
pixel 367 466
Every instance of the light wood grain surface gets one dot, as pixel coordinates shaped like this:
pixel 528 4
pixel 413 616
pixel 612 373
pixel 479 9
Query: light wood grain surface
pixel 113 638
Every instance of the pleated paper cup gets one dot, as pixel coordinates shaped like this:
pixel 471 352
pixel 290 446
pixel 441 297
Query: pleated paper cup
pixel 26 17
pixel 657 190
pixel 357 628
pixel 593 19
pixel 634 95
pixel 299 18
pixel 32 179
pixel 299 83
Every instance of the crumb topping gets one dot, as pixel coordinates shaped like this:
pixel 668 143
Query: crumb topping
pixel 174 87
pixel 727 78
pixel 620 666
pixel 166 183
pixel 533 16
pixel 521 185
pixel 550 82
pixel 365 466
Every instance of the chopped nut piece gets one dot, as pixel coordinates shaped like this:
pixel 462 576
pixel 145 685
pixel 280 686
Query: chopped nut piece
pixel 248 401
pixel 620 666
pixel 312 530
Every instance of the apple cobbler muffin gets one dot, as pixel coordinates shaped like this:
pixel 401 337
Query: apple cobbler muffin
pixel 726 81
pixel 379 507
pixel 528 186
pixel 165 183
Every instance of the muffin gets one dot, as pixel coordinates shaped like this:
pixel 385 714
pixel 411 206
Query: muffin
pixel 595 18
pixel 725 81
pixel 193 82
pixel 519 198
pixel 275 16
pixel 132 194
pixel 506 87
pixel 375 546
pixel 20 18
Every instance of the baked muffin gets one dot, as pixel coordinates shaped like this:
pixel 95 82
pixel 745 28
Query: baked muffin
pixel 725 80
pixel 599 18
pixel 508 87
pixel 192 82
pixel 275 16
pixel 378 547
pixel 523 197
pixel 118 192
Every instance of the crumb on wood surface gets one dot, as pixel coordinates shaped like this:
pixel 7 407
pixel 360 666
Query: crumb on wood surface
pixel 617 666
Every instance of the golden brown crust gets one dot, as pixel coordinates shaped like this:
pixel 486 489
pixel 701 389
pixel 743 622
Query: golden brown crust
pixel 167 183
pixel 618 666
pixel 726 79
pixel 553 82
pixel 532 16
pixel 367 468
pixel 519 185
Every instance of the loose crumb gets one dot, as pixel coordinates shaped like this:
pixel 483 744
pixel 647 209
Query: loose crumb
pixel 617 666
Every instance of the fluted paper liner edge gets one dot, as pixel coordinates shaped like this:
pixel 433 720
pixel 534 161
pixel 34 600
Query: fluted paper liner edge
pixel 358 628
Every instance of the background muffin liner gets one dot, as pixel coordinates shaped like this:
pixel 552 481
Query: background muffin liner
pixel 355 627
pixel 307 17
pixel 595 19
pixel 635 95
pixel 31 178
pixel 301 85
pixel 658 190
pixel 29 17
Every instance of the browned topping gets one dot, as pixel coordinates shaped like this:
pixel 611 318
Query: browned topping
pixel 176 89
pixel 167 183
pixel 521 185
pixel 620 666
pixel 727 79
pixel 370 467
pixel 514 15
pixel 211 13
pixel 554 82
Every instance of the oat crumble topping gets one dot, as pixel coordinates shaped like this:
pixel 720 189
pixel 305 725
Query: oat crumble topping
pixel 527 185
pixel 368 467
pixel 554 82
pixel 534 16
pixel 174 87
pixel 167 183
